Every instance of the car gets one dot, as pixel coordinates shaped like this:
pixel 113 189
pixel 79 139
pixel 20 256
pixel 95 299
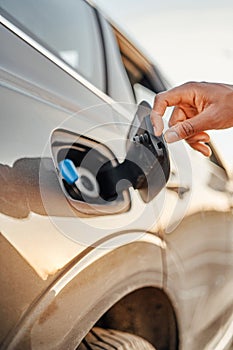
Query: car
pixel 110 239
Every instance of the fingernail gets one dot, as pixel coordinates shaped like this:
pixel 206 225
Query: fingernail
pixel 155 130
pixel 171 136
pixel 207 152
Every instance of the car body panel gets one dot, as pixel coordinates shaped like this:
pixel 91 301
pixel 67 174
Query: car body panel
pixel 31 195
pixel 61 269
pixel 85 290
pixel 199 255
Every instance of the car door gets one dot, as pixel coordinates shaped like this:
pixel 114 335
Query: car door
pixel 199 236
pixel 196 224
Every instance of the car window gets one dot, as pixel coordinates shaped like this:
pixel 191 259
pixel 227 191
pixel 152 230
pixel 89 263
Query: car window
pixel 141 71
pixel 67 28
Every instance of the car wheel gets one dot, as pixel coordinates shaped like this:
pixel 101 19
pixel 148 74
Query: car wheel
pixel 108 339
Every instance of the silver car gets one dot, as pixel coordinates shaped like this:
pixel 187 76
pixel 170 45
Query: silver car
pixel 109 240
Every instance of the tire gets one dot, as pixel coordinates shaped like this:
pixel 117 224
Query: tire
pixel 108 339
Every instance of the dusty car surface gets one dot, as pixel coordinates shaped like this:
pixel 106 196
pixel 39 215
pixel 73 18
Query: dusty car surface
pixel 109 240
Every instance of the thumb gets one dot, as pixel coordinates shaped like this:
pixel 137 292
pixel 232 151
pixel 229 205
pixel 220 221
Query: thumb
pixel 179 131
pixel 188 127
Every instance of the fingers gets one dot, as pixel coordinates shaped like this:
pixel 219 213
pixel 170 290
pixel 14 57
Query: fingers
pixel 157 123
pixel 160 104
pixel 182 113
pixel 179 131
pixel 186 130
pixel 198 107
pixel 178 115
pixel 201 147
pixel 173 97
pixel 183 94
pixel 200 137
pixel 190 127
pixel 197 142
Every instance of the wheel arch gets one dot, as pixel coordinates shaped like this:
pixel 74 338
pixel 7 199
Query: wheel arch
pixel 89 289
pixel 148 313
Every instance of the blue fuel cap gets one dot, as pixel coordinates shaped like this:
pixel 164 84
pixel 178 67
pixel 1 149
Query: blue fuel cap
pixel 68 171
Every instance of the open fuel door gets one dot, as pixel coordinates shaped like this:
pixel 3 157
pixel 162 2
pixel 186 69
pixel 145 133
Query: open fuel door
pixel 90 174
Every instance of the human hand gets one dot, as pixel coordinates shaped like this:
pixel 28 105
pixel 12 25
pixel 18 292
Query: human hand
pixel 198 107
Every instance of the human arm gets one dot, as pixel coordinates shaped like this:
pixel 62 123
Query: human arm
pixel 197 107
